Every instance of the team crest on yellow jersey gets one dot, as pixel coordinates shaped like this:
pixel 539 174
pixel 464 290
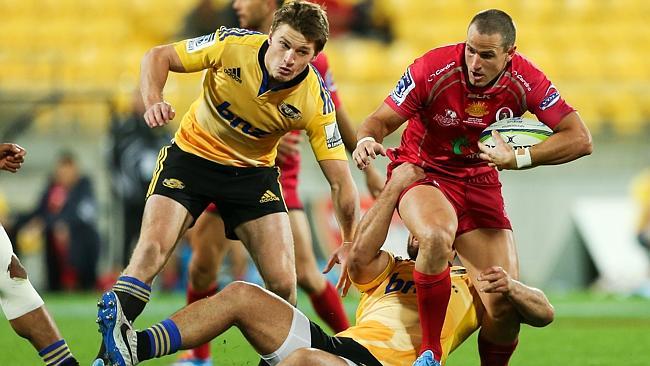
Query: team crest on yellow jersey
pixel 477 109
pixel 173 183
pixel 289 111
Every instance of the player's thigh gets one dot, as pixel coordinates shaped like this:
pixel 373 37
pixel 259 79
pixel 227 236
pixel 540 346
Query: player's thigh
pixel 270 244
pixel 314 357
pixel 480 249
pixel 208 241
pixel 163 223
pixel 426 211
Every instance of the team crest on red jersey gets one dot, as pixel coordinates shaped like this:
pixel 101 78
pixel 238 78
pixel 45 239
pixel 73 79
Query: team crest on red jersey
pixel 477 109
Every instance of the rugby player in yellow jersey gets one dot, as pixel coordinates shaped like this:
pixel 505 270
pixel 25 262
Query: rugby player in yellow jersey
pixel 257 87
pixel 387 330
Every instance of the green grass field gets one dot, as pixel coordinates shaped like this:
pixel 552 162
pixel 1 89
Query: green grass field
pixel 589 329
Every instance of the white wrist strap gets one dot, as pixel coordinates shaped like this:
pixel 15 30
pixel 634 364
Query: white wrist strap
pixel 364 139
pixel 522 158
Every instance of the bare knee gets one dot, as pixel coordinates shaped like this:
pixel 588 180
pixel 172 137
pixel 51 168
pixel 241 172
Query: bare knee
pixel 202 275
pixel 309 279
pixel 503 313
pixel 302 356
pixel 436 242
pixel 283 287
pixel 16 269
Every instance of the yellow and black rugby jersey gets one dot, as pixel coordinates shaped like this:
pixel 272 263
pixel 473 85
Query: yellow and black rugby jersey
pixel 387 321
pixel 238 120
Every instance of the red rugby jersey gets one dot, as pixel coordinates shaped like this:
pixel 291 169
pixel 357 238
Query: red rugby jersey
pixel 446 114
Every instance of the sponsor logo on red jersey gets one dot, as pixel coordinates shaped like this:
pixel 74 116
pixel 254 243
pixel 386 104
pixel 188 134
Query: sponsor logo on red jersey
pixel 403 88
pixel 477 109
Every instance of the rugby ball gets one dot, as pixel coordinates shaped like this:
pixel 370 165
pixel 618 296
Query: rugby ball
pixel 517 132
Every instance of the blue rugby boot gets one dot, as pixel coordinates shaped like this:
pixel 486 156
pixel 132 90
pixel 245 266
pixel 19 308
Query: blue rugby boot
pixel 118 336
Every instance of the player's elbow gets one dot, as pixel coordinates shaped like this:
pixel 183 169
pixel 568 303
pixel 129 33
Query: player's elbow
pixel 585 143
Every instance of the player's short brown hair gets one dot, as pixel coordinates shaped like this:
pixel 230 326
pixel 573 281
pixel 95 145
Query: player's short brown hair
pixel 307 18
pixel 496 21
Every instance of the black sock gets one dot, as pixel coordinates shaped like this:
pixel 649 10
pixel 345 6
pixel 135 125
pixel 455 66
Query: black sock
pixel 134 296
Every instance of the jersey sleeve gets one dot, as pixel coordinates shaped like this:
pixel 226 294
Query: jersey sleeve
pixel 322 66
pixel 410 93
pixel 545 101
pixel 322 129
pixel 202 52
pixel 365 287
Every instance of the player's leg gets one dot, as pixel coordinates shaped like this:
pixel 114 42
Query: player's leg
pixel 25 311
pixel 209 247
pixel 270 324
pixel 324 297
pixel 431 218
pixel 163 223
pixel 270 244
pixel 478 250
pixel 239 260
pixel 313 357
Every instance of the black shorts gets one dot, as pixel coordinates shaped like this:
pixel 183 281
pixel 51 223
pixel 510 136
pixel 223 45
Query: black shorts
pixel 341 346
pixel 241 194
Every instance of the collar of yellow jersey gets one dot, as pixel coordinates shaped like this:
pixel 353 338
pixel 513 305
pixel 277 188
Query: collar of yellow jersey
pixel 264 86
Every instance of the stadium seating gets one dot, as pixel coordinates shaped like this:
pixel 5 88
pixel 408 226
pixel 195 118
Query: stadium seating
pixel 597 50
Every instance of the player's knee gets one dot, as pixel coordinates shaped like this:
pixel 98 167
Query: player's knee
pixel 202 276
pixel 301 356
pixel 283 287
pixel 436 240
pixel 504 313
pixel 16 269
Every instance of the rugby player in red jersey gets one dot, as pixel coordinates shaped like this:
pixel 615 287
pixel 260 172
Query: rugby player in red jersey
pixel 448 96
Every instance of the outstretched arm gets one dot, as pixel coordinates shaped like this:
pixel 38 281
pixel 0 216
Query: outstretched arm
pixel 372 131
pixel 366 261
pixel 374 180
pixel 531 303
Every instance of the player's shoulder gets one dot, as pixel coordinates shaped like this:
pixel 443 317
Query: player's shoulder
pixel 239 36
pixel 525 71
pixel 440 61
pixel 317 87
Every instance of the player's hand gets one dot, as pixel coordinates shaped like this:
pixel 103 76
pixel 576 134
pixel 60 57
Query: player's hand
pixel 288 146
pixel 501 156
pixel 405 175
pixel 374 181
pixel 340 256
pixel 159 114
pixel 498 281
pixel 366 152
pixel 12 157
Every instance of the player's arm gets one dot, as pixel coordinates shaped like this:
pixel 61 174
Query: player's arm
pixel 374 180
pixel 570 140
pixel 154 70
pixel 365 260
pixel 344 195
pixel 372 131
pixel 531 303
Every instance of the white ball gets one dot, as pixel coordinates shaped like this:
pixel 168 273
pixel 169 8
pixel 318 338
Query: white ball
pixel 517 132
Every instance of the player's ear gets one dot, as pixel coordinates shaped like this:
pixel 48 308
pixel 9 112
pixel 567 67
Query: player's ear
pixel 511 53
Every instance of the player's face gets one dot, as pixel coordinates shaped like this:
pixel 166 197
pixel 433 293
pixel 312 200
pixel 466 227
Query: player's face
pixel 485 57
pixel 252 13
pixel 288 54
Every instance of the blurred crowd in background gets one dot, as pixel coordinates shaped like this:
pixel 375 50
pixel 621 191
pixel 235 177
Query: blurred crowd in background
pixel 68 93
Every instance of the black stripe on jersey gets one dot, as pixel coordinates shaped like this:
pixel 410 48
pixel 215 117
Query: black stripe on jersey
pixel 328 104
